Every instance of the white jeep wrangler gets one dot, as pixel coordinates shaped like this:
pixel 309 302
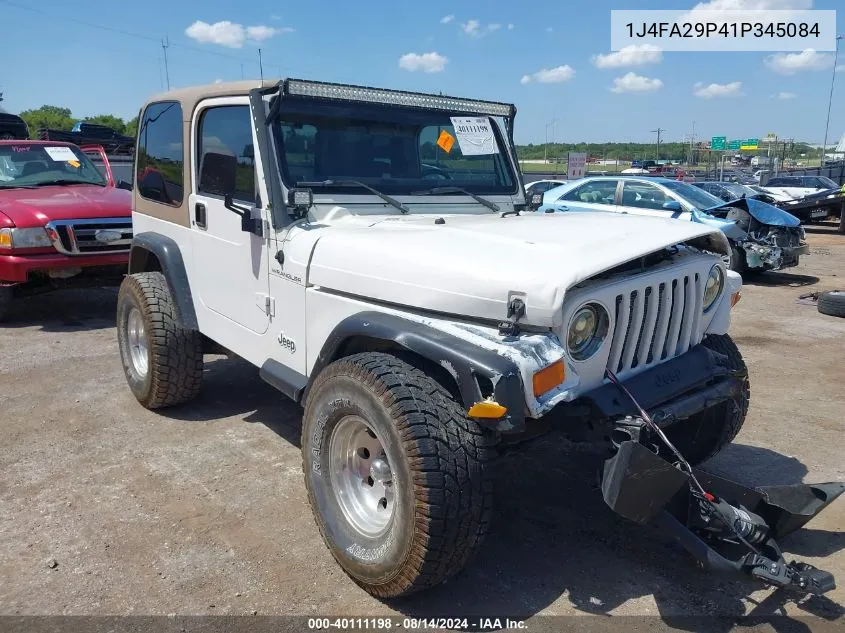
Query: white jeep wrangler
pixel 365 249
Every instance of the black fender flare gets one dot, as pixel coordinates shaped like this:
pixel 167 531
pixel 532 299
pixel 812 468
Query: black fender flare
pixel 463 360
pixel 169 257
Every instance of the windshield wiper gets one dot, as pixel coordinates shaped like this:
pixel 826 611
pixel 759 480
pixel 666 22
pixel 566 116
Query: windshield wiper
pixel 65 181
pixel 355 183
pixel 7 186
pixel 452 189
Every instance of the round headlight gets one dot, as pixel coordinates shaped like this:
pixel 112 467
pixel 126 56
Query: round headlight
pixel 587 331
pixel 713 287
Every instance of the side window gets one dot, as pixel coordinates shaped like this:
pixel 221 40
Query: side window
pixel 160 154
pixel 228 130
pixel 643 195
pixel 596 192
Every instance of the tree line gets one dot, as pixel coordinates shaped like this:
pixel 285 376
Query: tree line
pixel 58 118
pixel 647 151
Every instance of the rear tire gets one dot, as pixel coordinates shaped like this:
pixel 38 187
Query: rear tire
pixel 161 360
pixel 435 511
pixel 703 435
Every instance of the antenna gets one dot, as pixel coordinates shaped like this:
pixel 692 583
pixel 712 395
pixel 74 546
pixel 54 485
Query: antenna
pixel 260 65
pixel 165 44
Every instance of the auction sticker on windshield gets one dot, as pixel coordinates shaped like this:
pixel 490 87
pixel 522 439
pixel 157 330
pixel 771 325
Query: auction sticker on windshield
pixel 445 141
pixel 475 135
pixel 60 154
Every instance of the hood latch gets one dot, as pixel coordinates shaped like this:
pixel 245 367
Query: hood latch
pixel 516 310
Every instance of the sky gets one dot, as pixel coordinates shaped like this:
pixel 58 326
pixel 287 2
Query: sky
pixel 551 58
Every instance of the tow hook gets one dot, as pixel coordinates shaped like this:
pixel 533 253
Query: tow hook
pixel 726 526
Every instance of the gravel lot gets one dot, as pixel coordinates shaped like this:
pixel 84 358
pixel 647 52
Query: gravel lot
pixel 202 509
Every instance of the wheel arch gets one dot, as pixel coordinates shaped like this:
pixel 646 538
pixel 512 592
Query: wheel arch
pixel 153 252
pixel 471 373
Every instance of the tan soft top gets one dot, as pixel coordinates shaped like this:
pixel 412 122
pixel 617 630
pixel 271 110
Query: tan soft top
pixel 190 96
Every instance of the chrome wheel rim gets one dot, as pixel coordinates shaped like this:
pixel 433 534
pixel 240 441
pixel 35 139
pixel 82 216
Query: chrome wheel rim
pixel 136 337
pixel 362 479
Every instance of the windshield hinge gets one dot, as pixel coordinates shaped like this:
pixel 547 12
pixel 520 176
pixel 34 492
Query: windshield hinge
pixel 266 303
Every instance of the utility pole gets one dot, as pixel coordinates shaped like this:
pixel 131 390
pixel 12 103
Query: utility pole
pixel 546 146
pixel 260 65
pixel 830 101
pixel 165 43
pixel 658 131
pixel 242 72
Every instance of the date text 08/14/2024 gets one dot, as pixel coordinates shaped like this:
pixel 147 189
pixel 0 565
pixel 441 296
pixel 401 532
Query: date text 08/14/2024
pixel 386 623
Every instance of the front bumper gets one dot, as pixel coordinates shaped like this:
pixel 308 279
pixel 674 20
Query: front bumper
pixel 765 257
pixel 670 392
pixel 20 268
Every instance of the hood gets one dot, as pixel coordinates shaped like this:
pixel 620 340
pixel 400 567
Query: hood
pixel 761 211
pixel 473 265
pixel 36 207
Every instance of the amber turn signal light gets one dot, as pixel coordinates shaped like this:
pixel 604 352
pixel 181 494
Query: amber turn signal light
pixel 548 378
pixel 487 409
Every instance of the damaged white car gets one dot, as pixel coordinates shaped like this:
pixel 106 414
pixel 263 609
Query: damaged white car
pixel 367 251
pixel 762 237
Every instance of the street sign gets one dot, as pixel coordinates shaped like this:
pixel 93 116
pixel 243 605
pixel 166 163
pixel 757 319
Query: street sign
pixel 750 143
pixel 577 165
pixel 718 142
pixel 734 144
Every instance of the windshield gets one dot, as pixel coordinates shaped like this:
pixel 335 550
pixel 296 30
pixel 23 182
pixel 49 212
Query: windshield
pixel 394 150
pixel 738 190
pixel 693 195
pixel 824 181
pixel 37 165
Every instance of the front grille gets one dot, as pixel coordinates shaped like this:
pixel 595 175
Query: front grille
pixel 655 323
pixel 91 237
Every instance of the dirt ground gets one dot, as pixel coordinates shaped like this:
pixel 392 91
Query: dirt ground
pixel 202 509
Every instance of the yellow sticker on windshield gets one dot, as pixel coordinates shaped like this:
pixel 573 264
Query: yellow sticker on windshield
pixel 75 163
pixel 446 141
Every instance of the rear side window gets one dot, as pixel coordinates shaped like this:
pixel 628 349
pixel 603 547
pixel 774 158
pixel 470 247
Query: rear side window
pixel 160 161
pixel 228 130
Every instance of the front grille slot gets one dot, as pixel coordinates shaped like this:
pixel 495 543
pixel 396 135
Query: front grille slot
pixel 88 237
pixel 656 323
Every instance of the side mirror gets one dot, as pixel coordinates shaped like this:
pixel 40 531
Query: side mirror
pixel 122 184
pixel 672 205
pixel 217 174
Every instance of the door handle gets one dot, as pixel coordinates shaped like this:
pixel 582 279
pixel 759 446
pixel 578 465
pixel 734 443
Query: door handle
pixel 200 215
pixel 562 207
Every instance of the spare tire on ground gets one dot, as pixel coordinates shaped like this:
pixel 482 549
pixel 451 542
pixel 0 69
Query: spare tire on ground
pixel 832 303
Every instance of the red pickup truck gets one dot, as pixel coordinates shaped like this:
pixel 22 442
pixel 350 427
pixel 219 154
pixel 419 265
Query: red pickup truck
pixel 62 221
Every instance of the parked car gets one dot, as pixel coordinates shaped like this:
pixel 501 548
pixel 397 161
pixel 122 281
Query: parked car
pixel 534 191
pixel 762 237
pixel 12 127
pixel 83 133
pixel 420 332
pixel 729 191
pixel 62 222
pixel 799 186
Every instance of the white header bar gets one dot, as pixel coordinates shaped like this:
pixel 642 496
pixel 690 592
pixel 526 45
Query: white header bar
pixel 727 30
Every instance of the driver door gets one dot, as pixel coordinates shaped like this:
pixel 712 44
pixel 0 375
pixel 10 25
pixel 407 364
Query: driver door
pixel 232 267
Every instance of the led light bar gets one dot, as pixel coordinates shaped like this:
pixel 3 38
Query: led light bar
pixel 345 92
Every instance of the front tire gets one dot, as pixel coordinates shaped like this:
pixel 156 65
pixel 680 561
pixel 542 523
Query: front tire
pixel 161 360
pixel 703 435
pixel 397 475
